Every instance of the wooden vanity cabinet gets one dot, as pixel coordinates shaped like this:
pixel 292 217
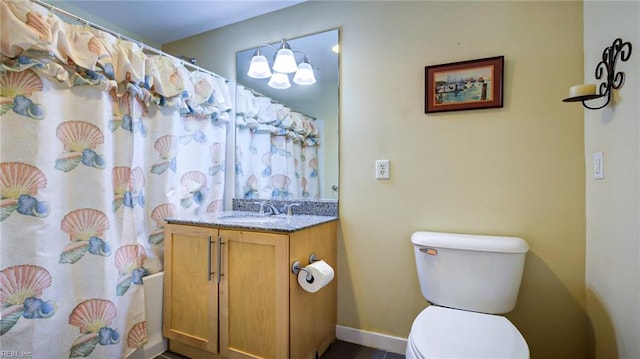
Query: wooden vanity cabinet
pixel 256 309
pixel 313 316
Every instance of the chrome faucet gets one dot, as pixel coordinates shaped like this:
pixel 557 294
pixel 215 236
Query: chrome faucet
pixel 267 208
pixel 261 204
pixel 273 209
pixel 289 208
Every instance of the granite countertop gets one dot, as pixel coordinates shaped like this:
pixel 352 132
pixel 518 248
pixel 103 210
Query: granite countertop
pixel 254 221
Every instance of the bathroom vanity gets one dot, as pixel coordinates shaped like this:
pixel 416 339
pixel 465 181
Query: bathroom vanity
pixel 229 291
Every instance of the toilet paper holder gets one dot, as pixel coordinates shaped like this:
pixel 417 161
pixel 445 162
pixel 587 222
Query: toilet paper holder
pixel 296 267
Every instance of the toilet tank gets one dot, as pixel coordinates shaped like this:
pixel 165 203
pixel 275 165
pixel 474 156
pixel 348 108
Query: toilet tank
pixel 470 272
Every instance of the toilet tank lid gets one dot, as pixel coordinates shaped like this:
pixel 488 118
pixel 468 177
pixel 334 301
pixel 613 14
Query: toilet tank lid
pixel 471 242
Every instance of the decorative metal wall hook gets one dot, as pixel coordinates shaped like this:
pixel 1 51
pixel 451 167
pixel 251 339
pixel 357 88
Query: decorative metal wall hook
pixel 605 69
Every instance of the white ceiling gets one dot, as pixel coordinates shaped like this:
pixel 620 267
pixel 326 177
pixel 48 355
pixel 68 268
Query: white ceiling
pixel 170 20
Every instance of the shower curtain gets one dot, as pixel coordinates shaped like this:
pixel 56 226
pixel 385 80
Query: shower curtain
pixel 276 150
pixel 99 143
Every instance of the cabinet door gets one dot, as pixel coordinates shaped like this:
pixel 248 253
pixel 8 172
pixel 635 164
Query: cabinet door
pixel 254 295
pixel 190 313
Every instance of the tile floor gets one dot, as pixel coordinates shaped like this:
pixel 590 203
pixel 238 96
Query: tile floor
pixel 345 350
pixel 337 350
pixel 170 355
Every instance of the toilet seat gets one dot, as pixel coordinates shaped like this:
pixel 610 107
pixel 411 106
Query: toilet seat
pixel 439 332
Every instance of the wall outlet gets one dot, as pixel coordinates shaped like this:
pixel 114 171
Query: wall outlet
pixel 382 169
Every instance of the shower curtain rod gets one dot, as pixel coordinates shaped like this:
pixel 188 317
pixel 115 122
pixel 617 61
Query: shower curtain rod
pixel 123 37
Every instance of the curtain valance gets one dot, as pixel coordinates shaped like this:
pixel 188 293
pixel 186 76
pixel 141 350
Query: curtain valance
pixel 74 55
pixel 260 114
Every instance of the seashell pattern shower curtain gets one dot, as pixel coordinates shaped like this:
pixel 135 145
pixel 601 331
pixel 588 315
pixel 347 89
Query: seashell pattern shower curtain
pixel 276 150
pixel 99 143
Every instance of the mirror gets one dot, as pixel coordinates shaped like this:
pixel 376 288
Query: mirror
pixel 287 139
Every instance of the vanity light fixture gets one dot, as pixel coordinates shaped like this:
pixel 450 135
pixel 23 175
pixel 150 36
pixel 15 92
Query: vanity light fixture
pixel 279 81
pixel 284 63
pixel 614 81
pixel 259 67
pixel 304 75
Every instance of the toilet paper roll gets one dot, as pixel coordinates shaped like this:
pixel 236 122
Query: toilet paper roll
pixel 315 276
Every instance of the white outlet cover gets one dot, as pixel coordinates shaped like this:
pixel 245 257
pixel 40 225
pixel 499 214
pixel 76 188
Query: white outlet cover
pixel 382 169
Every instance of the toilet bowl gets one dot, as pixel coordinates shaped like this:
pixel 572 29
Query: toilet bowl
pixel 469 280
pixel 440 332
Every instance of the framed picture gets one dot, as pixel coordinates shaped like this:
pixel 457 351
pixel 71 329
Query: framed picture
pixel 465 85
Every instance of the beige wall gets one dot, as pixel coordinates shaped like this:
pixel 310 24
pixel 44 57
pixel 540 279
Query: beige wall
pixel 518 170
pixel 613 212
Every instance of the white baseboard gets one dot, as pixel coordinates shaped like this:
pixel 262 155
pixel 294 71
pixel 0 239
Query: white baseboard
pixel 371 339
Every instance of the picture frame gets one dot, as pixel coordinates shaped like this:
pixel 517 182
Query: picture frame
pixel 464 85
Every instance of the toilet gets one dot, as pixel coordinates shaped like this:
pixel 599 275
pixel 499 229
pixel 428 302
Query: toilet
pixel 469 280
